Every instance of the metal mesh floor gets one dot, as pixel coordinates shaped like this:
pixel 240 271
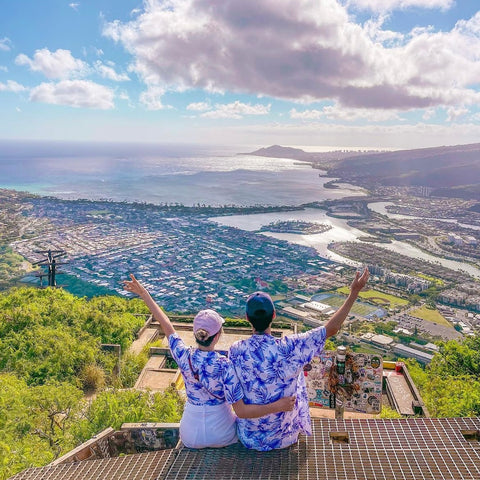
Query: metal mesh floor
pixel 142 466
pixel 407 449
pixel 367 449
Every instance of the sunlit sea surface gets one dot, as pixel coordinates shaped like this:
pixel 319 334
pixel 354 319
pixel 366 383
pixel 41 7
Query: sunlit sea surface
pixel 153 174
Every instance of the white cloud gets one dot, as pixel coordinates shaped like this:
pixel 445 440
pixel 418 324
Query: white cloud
pixel 373 28
pixel 337 112
pixel 152 98
pixel 74 93
pixel 123 96
pixel 306 114
pixel 428 114
pixel 236 110
pixel 302 50
pixel 3 68
pixel 390 5
pixel 11 86
pixel 454 113
pixel 55 65
pixel 199 106
pixel 109 73
pixel 74 6
pixel 5 44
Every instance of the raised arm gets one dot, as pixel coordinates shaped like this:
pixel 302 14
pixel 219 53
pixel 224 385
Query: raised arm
pixel 243 410
pixel 136 287
pixel 337 319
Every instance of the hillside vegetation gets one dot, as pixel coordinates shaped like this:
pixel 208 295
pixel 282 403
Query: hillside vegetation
pixel 450 384
pixel 49 356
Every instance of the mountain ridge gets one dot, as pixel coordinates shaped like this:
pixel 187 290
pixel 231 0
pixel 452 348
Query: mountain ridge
pixel 450 170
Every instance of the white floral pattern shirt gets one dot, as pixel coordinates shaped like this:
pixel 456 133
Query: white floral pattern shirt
pixel 263 369
pixel 210 366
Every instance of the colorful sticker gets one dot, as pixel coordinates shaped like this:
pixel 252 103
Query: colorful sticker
pixel 360 386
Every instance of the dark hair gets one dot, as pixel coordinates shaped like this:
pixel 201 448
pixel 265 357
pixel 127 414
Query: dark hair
pixel 202 338
pixel 260 320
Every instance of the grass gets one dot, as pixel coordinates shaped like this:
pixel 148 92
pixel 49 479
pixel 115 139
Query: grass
pixel 361 309
pixel 380 298
pixel 430 316
pixel 437 281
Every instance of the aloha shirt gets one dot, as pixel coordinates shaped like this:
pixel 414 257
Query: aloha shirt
pixel 263 369
pixel 210 366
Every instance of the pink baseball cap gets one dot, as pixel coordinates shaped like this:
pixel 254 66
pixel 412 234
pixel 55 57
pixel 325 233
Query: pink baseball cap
pixel 208 320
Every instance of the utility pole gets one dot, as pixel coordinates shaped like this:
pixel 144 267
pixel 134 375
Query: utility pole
pixel 51 263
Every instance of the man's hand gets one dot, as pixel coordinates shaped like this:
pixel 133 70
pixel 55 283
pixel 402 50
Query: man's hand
pixel 337 319
pixel 253 410
pixel 134 286
pixel 359 281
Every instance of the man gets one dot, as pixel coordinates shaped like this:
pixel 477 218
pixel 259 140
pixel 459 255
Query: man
pixel 264 369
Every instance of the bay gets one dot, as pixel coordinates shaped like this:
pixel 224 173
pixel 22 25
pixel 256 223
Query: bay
pixel 163 174
pixel 340 232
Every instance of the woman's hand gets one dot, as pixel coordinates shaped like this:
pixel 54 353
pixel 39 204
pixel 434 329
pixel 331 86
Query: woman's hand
pixel 134 286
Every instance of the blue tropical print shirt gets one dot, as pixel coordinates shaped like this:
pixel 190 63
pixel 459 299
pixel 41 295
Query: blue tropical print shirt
pixel 263 369
pixel 210 366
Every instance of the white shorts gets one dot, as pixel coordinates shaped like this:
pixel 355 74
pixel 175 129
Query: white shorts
pixel 204 426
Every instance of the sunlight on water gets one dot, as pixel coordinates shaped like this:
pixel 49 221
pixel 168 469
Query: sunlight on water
pixel 165 178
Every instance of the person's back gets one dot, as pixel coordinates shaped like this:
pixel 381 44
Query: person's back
pixel 263 369
pixel 207 420
pixel 267 369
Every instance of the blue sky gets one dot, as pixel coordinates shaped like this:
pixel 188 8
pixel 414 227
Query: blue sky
pixel 349 73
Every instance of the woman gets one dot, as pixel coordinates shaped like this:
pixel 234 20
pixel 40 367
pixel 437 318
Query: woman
pixel 208 420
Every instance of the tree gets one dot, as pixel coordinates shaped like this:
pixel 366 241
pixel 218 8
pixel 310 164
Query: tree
pixel 458 358
pixel 450 384
pixel 115 407
pixel 35 423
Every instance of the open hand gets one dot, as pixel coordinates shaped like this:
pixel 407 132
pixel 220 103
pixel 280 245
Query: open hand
pixel 134 286
pixel 359 281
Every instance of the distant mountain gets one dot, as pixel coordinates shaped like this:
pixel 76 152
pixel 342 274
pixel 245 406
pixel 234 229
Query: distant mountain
pixel 323 160
pixel 449 170
pixel 278 151
pixel 438 167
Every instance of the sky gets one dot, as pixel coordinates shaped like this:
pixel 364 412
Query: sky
pixel 312 73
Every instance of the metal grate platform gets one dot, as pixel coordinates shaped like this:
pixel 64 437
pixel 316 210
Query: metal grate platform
pixel 366 449
pixel 142 466
pixel 406 449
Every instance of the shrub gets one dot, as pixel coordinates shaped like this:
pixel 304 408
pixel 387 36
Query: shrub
pixel 92 377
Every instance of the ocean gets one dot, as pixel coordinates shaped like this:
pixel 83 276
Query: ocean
pixel 186 174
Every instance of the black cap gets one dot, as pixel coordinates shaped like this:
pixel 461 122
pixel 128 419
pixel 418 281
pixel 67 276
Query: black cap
pixel 259 305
